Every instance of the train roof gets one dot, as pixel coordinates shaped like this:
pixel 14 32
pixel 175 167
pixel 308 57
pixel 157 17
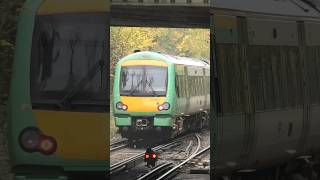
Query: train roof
pixel 168 58
pixel 291 8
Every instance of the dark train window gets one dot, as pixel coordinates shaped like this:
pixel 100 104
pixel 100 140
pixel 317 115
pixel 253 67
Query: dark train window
pixel 186 88
pixel 313 70
pixel 143 81
pixel 231 78
pixel 275 77
pixel 177 86
pixel 181 86
pixel 68 60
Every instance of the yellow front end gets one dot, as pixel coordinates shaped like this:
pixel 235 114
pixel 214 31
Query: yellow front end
pixel 79 135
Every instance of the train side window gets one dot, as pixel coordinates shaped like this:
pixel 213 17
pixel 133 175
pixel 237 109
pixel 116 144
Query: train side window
pixel 185 89
pixel 230 78
pixel 177 86
pixel 189 78
pixel 313 54
pixel 275 77
pixel 183 86
pixel 194 84
pixel 201 85
pixel 197 85
pixel 190 85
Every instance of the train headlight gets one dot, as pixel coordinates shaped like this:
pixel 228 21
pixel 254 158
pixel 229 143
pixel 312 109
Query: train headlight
pixel 121 106
pixel 30 139
pixel 48 145
pixel 164 106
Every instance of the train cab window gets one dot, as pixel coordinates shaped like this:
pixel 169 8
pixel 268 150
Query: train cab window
pixel 143 81
pixel 68 61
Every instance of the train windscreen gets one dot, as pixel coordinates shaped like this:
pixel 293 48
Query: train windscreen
pixel 69 58
pixel 143 81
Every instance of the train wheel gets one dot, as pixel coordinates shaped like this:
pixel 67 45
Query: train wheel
pixel 131 142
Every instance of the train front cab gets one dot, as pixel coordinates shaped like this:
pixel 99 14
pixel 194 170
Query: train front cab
pixel 143 97
pixel 59 107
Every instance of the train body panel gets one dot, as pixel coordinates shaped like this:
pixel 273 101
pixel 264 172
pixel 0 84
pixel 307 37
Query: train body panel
pixel 266 69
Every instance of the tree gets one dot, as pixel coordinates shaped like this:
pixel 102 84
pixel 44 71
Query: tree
pixel 9 11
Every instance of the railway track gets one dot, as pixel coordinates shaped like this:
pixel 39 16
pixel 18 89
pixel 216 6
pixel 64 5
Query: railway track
pixel 167 170
pixel 132 161
pixel 173 158
pixel 119 145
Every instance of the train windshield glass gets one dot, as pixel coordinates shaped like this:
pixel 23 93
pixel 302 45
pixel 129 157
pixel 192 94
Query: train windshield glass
pixel 68 56
pixel 143 81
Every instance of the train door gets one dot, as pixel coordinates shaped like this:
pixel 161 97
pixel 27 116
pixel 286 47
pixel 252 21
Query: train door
pixel 231 122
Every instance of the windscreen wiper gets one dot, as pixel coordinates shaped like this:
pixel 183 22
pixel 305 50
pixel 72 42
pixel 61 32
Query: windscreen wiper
pixel 135 88
pixel 152 89
pixel 92 72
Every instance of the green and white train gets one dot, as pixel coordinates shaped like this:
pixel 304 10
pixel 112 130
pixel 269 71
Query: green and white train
pixel 159 93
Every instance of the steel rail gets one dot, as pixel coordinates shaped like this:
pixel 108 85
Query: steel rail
pixel 158 171
pixel 118 145
pixel 195 154
pixel 136 159
pixel 151 174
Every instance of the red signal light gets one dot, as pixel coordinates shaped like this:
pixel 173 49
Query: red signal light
pixel 154 156
pixel 147 156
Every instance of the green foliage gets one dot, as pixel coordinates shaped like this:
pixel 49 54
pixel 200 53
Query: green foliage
pixel 184 42
pixel 9 11
pixel 174 41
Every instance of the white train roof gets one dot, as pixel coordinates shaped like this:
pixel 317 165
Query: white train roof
pixel 186 61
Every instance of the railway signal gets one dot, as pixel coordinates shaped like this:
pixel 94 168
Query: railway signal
pixel 150 157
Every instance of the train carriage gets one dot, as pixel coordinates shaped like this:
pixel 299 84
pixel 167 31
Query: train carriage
pixel 58 106
pixel 266 85
pixel 159 93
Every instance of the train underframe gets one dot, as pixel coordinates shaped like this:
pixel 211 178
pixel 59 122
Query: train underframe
pixel 299 168
pixel 143 127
